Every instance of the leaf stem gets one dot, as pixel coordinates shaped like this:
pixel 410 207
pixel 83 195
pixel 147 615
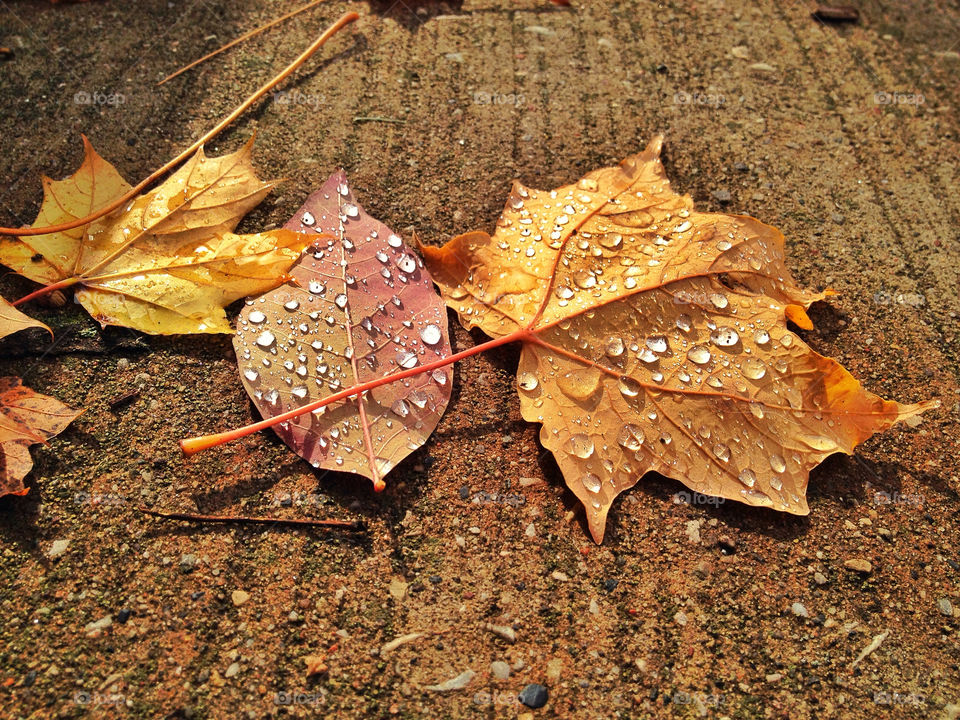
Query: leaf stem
pixel 237 41
pixel 195 517
pixel 47 289
pixel 239 110
pixel 194 445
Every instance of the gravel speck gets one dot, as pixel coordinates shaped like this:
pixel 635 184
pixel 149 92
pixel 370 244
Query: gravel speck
pixel 858 565
pixel 945 607
pixel 188 562
pixel 534 696
pixel 500 670
pixel 799 609
pixel 722 196
pixel 233 670
pixel 58 548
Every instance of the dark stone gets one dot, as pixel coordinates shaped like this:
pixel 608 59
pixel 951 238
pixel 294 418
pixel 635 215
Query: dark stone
pixel 464 492
pixel 534 696
pixel 435 579
pixel 610 584
pixel 124 615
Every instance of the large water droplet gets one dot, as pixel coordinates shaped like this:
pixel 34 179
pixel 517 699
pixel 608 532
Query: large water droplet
pixel 580 445
pixel 584 279
pixel 699 354
pixel 400 408
pixel 406 359
pixel 307 219
pixel 657 343
pixel 628 387
pixel 721 451
pixel 251 375
pixel 291 305
pixel 316 287
pixel 579 384
pixel 591 482
pixel 818 442
pixel 527 381
pixel 394 241
pixel 614 346
pixel 266 339
pixel 725 337
pixel 431 334
pixel 719 301
pixel 256 317
pixel 777 464
pixel 684 322
pixel 350 210
pixel 761 337
pixel 753 369
pixel 407 263
pixel 340 301
pixel 630 437
pixel 747 477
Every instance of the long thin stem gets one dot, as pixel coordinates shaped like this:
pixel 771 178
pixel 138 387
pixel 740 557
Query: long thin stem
pixel 196 444
pixel 196 517
pixel 237 41
pixel 239 110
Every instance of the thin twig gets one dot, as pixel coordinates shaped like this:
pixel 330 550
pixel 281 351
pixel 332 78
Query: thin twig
pixel 245 36
pixel 377 118
pixel 353 525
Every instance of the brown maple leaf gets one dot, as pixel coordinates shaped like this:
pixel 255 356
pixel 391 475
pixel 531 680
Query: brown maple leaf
pixel 655 339
pixel 26 418
pixel 12 320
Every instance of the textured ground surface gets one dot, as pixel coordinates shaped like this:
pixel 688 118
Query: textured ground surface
pixel 844 137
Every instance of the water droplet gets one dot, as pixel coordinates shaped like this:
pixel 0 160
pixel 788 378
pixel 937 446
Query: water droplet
pixel 725 337
pixel 343 189
pixel 579 384
pixel 406 359
pixel 527 381
pixel 350 210
pixel 251 375
pixel 400 408
pixel 418 398
pixel 776 483
pixel 753 369
pixel 439 376
pixel 316 287
pixel 407 263
pixel 818 442
pixel 761 337
pixel 431 334
pixel 614 347
pixel 394 241
pixel 724 245
pixel 777 463
pixel 628 387
pixel 786 340
pixel 382 256
pixel 299 392
pixel 340 301
pixel 721 451
pixel 611 242
pixel 580 445
pixel 699 354
pixel 684 322
pixel 747 477
pixel 648 356
pixel 563 292
pixel 308 219
pixel 630 437
pixel 256 317
pixel 291 305
pixel 719 301
pixel 266 339
pixel 714 382
pixel 657 343
pixel 756 409
pixel 588 184
pixel 584 279
pixel 591 482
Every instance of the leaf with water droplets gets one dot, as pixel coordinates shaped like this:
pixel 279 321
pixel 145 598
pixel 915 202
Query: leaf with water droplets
pixel 360 305
pixel 168 262
pixel 26 418
pixel 655 339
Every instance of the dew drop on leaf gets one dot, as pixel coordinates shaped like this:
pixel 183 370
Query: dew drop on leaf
pixel 699 354
pixel 580 445
pixel 591 482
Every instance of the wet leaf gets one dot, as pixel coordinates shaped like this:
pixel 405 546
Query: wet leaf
pixel 359 306
pixel 655 338
pixel 26 418
pixel 166 263
pixel 12 320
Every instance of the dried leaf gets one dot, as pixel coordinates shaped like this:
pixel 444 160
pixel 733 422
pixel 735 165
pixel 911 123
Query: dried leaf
pixel 166 263
pixel 26 418
pixel 12 320
pixel 654 338
pixel 360 306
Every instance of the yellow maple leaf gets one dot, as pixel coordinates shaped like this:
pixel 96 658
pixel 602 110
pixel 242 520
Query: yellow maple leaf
pixel 167 262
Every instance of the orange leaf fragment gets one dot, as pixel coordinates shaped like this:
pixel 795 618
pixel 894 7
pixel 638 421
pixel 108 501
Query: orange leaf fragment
pixel 26 418
pixel 655 339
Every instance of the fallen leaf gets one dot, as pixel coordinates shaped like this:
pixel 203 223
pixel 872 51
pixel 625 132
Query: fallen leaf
pixel 12 320
pixel 358 307
pixel 655 339
pixel 26 418
pixel 166 263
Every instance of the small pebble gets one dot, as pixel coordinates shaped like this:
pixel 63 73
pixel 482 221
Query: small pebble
pixel 96 626
pixel 773 677
pixel 945 607
pixel 188 562
pixel 504 631
pixel 680 618
pixel 799 610
pixel 500 670
pixel 722 196
pixel 239 597
pixel 58 548
pixel 534 696
pixel 858 565
pixel 559 575
pixel 554 669
pixel 464 492
pixel 610 584
pixel 232 670
pixel 837 218
pixel 124 615
pixel 819 578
